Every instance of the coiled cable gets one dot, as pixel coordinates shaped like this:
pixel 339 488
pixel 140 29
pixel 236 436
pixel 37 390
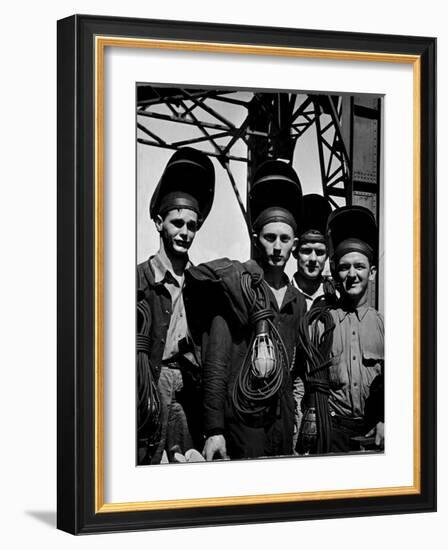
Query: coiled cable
pixel 317 349
pixel 148 398
pixel 254 397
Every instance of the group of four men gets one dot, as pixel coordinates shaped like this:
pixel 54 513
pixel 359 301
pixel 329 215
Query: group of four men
pixel 240 361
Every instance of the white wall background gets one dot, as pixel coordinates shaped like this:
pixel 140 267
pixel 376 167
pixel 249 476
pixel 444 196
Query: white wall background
pixel 28 273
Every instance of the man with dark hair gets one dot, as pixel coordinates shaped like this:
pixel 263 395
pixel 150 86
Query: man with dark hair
pixel 355 379
pixel 252 336
pixel 312 253
pixel 168 380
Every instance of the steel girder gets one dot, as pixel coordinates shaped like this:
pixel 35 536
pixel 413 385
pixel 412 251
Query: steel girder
pixel 268 125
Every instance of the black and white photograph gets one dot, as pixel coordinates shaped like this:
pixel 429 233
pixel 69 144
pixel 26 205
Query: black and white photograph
pixel 259 274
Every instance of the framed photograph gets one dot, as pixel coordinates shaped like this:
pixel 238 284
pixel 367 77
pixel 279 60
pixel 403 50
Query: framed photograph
pixel 246 274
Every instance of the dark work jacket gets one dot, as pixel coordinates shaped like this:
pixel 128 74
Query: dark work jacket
pixel 227 343
pixel 159 300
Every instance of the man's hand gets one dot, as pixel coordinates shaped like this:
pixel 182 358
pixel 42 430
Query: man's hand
pixel 215 444
pixel 378 432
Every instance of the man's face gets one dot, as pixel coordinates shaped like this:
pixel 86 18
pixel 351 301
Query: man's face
pixel 177 230
pixel 311 259
pixel 354 272
pixel 275 243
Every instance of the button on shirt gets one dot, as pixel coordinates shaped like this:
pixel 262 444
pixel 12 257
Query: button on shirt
pixel 177 329
pixel 357 359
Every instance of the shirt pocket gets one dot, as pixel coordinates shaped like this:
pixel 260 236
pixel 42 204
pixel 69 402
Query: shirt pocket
pixel 373 367
pixel 372 385
pixel 372 347
pixel 373 354
pixel 373 360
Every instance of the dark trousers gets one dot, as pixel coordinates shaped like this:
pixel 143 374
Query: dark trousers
pixel 343 429
pixel 273 438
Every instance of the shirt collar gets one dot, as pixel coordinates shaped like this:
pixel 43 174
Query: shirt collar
pixel 162 271
pixel 361 311
pixel 290 294
pixel 319 291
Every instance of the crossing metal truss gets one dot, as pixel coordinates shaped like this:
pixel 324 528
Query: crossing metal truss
pixel 271 124
pixel 335 165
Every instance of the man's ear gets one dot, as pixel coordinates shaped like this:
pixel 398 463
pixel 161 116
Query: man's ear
pixel 372 273
pixel 255 240
pixel 295 247
pixel 158 220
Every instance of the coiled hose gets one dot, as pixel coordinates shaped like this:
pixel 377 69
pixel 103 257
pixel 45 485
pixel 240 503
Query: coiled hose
pixel 148 398
pixel 317 349
pixel 253 396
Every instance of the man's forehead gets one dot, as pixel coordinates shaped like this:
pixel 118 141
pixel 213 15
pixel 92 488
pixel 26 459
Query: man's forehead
pixel 316 246
pixel 182 214
pixel 352 257
pixel 278 228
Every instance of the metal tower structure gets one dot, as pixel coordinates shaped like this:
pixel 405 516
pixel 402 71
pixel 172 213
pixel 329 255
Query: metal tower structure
pixel 269 125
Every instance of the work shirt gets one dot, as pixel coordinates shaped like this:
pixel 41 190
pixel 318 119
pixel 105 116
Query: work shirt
pixel 309 298
pixel 157 293
pixel 357 359
pixel 177 328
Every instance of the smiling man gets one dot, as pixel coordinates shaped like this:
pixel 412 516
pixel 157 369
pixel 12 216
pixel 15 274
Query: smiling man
pixel 252 334
pixel 356 377
pixel 179 205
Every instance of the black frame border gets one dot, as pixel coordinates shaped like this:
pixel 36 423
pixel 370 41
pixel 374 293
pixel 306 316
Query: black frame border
pixel 76 284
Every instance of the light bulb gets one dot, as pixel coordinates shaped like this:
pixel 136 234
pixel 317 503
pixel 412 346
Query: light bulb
pixel 263 356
